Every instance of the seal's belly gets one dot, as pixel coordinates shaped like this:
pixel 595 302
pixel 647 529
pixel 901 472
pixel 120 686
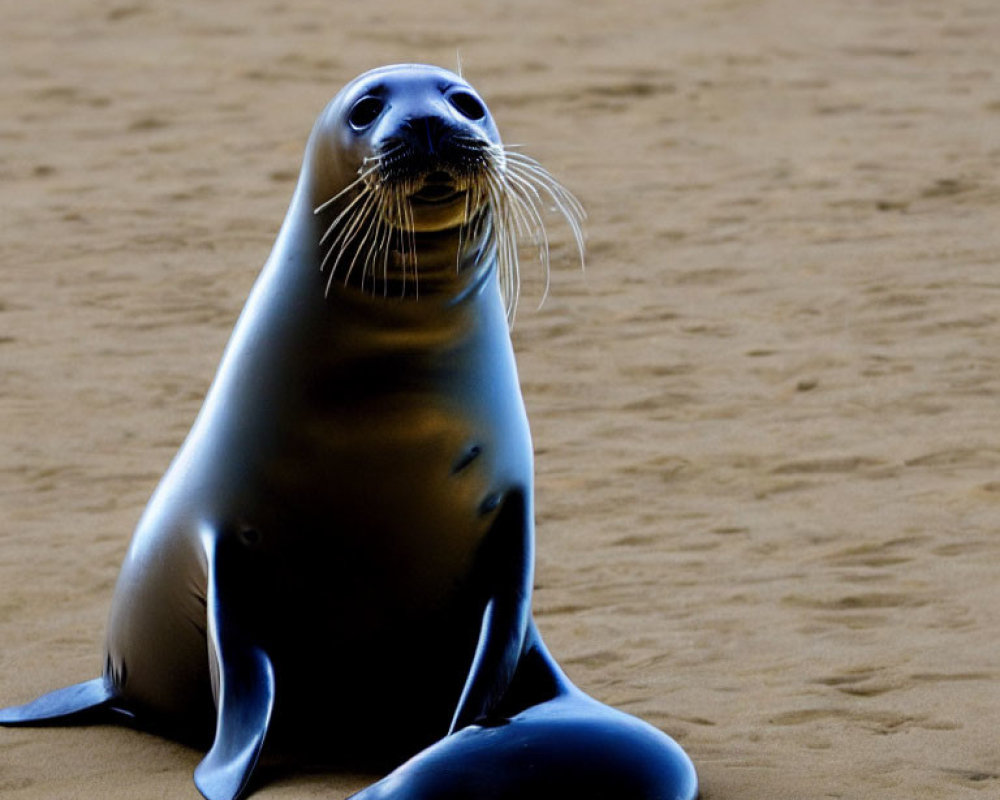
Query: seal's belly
pixel 379 520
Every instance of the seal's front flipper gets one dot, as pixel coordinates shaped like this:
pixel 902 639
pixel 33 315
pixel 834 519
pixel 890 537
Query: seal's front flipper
pixel 73 705
pixel 506 557
pixel 246 697
pixel 245 690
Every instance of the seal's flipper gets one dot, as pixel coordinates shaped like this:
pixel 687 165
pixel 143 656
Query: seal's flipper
pixel 570 746
pixel 245 697
pixel 538 678
pixel 507 557
pixel 71 705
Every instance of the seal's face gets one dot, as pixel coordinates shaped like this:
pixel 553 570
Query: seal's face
pixel 422 138
pixel 412 182
pixel 431 139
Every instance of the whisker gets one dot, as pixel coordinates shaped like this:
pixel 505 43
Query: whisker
pixel 532 171
pixel 461 230
pixel 382 229
pixel 369 226
pixel 507 197
pixel 532 165
pixel 411 227
pixel 348 232
pixel 362 196
pixel 404 239
pixel 363 175
pixel 527 207
pixel 482 219
pixel 565 203
pixel 344 237
pixel 506 243
pixel 386 247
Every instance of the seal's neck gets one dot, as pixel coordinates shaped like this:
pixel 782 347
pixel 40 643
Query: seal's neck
pixel 454 275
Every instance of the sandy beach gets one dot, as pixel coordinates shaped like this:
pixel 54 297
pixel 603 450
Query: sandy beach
pixel 766 416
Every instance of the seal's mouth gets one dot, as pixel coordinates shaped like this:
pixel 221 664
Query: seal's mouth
pixel 437 189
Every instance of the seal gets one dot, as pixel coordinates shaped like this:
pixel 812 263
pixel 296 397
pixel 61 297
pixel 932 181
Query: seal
pixel 338 563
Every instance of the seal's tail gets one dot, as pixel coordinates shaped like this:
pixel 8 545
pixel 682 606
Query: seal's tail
pixel 78 704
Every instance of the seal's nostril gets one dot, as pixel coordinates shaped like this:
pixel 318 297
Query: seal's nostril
pixel 429 133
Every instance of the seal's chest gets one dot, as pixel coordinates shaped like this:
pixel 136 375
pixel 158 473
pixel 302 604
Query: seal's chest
pixel 399 494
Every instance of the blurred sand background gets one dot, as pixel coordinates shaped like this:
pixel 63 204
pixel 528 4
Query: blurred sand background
pixel 765 417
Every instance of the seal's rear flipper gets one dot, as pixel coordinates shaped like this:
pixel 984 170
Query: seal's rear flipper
pixel 567 747
pixel 73 705
pixel 245 693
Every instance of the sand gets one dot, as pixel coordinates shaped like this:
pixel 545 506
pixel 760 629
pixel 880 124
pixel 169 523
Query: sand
pixel 765 416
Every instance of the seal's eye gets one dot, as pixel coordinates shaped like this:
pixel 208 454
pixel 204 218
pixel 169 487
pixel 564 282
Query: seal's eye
pixel 365 112
pixel 468 105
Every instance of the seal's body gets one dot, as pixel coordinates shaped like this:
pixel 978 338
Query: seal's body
pixel 358 480
pixel 339 559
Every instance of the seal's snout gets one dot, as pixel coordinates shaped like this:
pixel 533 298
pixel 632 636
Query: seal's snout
pixel 433 148
pixel 427 135
pixel 434 160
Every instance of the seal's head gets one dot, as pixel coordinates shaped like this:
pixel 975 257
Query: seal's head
pixel 410 177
